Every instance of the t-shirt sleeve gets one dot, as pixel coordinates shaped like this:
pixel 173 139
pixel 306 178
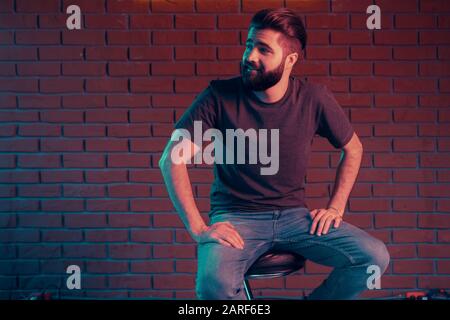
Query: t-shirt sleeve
pixel 333 122
pixel 204 109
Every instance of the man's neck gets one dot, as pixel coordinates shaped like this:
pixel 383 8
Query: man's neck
pixel 275 93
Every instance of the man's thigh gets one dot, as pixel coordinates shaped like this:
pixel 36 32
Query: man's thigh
pixel 223 267
pixel 342 246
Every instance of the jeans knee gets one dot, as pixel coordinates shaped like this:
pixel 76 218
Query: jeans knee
pixel 378 255
pixel 213 287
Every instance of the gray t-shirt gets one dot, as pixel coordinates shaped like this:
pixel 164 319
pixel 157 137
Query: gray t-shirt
pixel 305 110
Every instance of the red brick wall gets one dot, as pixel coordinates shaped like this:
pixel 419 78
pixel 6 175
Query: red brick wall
pixel 86 113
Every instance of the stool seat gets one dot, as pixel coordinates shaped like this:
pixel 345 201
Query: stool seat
pixel 275 263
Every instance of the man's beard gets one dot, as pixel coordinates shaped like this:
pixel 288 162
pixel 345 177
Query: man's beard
pixel 260 80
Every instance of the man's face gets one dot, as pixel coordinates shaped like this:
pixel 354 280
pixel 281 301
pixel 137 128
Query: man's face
pixel 262 64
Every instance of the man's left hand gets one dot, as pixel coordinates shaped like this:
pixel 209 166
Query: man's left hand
pixel 322 220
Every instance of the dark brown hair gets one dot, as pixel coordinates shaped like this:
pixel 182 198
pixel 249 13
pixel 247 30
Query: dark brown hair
pixel 285 21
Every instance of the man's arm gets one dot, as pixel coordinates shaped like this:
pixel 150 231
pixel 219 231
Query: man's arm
pixel 179 188
pixel 346 174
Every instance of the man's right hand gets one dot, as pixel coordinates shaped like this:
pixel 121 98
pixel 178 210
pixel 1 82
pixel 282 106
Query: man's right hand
pixel 222 232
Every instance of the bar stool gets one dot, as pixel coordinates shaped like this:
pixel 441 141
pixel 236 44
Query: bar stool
pixel 272 264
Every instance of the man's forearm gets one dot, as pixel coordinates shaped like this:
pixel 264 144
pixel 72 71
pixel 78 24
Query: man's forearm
pixel 346 174
pixel 180 192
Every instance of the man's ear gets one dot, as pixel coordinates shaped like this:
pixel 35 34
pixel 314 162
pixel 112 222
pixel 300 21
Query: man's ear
pixel 292 59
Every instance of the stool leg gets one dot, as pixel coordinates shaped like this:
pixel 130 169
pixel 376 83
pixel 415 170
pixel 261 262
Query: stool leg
pixel 248 290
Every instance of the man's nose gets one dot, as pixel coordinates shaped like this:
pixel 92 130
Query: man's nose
pixel 252 57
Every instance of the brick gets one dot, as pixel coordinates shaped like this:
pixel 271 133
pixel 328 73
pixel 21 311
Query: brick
pixel 395 69
pixel 218 37
pixel 39 251
pixel 327 53
pixel 414 85
pixel 233 21
pixel 128 69
pixel 350 38
pixel 111 21
pixel 173 6
pixel 19 145
pixel 88 6
pixel 413 144
pixel 151 54
pixel 154 85
pixel 152 205
pixel 39 161
pixel 61 53
pixel 118 6
pixel 107 85
pixel 226 6
pixel 152 236
pixel 434 221
pixel 434 37
pixel 413 236
pixel 16 54
pixel 157 266
pixel 62 236
pixel 395 160
pixel 128 191
pixel 411 21
pixel 329 21
pixel 83 37
pixel 106 266
pixel 83 161
pixel 370 53
pixel 198 53
pixel 391 101
pixel 434 251
pixel 173 68
pixel 127 251
pixel 83 69
pixel 39 191
pixel 147 145
pixel 413 175
pixel 117 220
pixel 151 115
pixel 84 191
pixel 106 235
pixel 184 21
pixel 62 116
pixel 213 68
pixel 130 130
pixel 107 205
pixel 397 38
pixel 84 251
pixel 38 69
pixel 414 116
pixel 37 7
pixel 19 85
pixel 106 145
pixel 65 205
pixel 129 282
pixel 370 85
pixel 106 116
pixel 171 251
pixel 173 37
pixel 108 53
pixel 61 145
pixel 128 37
pixel 129 101
pixel 350 6
pixel 128 161
pixel 106 176
pixel 254 5
pixel 60 85
pixel 40 37
pixel 82 221
pixel 84 130
pixel 414 205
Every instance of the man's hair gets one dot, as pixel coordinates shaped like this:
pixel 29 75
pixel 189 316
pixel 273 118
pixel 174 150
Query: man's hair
pixel 287 22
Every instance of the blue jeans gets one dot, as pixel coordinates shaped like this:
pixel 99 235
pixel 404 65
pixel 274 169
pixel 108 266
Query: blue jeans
pixel 347 248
